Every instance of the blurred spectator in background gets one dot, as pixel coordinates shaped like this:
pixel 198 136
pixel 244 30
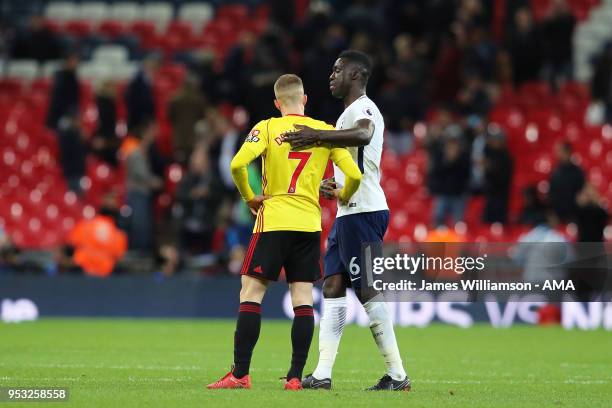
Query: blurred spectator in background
pixel 498 167
pixel 503 70
pixel 141 184
pixel 186 107
pixel 404 103
pixel 477 128
pixel 591 217
pixel 168 260
pixel 65 92
pixel 591 270
pixel 6 34
pixel 557 33
pixel 480 53
pixel 224 145
pixel 282 13
pixel 317 61
pixel 370 43
pixel 270 60
pixel 73 150
pixel 404 17
pixel 533 211
pixel 472 13
pixel 237 67
pixel 449 176
pixel 197 199
pixel 542 247
pixel 363 13
pixel 601 84
pixel 105 142
pixel 97 243
pixel 566 180
pixel 208 77
pixel 139 95
pixel 36 42
pixel 449 66
pixel 9 253
pixel 524 44
pixel 473 98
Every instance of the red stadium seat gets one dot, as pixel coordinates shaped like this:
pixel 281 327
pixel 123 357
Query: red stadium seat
pixel 236 12
pixel 112 28
pixel 538 89
pixel 180 29
pixel 576 89
pixel 143 29
pixel 79 28
pixel 53 26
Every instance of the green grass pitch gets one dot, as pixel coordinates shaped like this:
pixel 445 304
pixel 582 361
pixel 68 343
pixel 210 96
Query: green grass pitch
pixel 166 363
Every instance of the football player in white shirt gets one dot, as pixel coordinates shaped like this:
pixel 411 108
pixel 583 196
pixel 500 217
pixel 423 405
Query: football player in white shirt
pixel 363 220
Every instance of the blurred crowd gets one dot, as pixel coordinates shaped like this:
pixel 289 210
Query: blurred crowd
pixel 437 62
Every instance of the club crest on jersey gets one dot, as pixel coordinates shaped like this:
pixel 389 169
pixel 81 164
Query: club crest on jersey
pixel 252 137
pixel 368 111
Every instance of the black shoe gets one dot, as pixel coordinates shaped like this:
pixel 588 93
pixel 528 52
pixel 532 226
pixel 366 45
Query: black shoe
pixel 386 383
pixel 311 383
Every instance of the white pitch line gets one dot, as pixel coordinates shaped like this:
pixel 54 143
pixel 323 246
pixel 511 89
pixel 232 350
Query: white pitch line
pixel 111 367
pixel 419 381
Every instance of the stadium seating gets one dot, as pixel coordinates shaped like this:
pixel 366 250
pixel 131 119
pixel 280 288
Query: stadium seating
pixel 94 12
pixel 156 26
pixel 23 69
pixel 61 11
pixel 42 211
pixel 159 14
pixel 196 14
pixel 125 12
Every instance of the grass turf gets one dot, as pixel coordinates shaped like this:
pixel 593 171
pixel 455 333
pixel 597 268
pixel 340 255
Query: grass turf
pixel 166 363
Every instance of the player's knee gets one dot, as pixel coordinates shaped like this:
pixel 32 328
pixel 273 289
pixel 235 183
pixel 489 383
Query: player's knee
pixel 301 293
pixel 334 287
pixel 253 289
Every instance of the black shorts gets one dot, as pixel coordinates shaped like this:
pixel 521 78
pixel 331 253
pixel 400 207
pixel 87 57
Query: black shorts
pixel 298 252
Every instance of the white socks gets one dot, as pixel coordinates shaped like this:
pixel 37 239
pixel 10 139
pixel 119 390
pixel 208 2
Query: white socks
pixel 330 332
pixel 384 335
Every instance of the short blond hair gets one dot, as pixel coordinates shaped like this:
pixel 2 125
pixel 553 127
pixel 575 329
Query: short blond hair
pixel 289 89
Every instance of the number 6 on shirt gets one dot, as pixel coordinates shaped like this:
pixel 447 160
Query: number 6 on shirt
pixel 303 158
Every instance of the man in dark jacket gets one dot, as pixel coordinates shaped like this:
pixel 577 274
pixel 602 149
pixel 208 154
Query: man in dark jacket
pixel 197 203
pixel 449 175
pixel 591 216
pixel 590 271
pixel 498 166
pixel 64 98
pixel 139 97
pixel 565 182
pixel 73 150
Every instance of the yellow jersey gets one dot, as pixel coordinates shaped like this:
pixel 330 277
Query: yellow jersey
pixel 290 178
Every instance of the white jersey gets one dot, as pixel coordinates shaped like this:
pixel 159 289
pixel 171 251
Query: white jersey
pixel 370 195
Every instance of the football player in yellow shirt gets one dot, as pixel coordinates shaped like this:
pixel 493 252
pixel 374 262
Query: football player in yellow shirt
pixel 287 231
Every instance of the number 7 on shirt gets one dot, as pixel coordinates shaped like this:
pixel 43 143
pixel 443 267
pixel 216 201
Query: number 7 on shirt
pixel 303 158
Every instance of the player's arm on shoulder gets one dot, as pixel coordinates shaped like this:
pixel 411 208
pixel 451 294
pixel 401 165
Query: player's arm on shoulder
pixel 343 159
pixel 254 145
pixel 359 135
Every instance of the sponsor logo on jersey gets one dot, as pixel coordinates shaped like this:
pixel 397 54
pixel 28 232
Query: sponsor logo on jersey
pixel 252 137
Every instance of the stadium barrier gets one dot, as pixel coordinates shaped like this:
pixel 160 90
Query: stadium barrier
pixel 27 297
